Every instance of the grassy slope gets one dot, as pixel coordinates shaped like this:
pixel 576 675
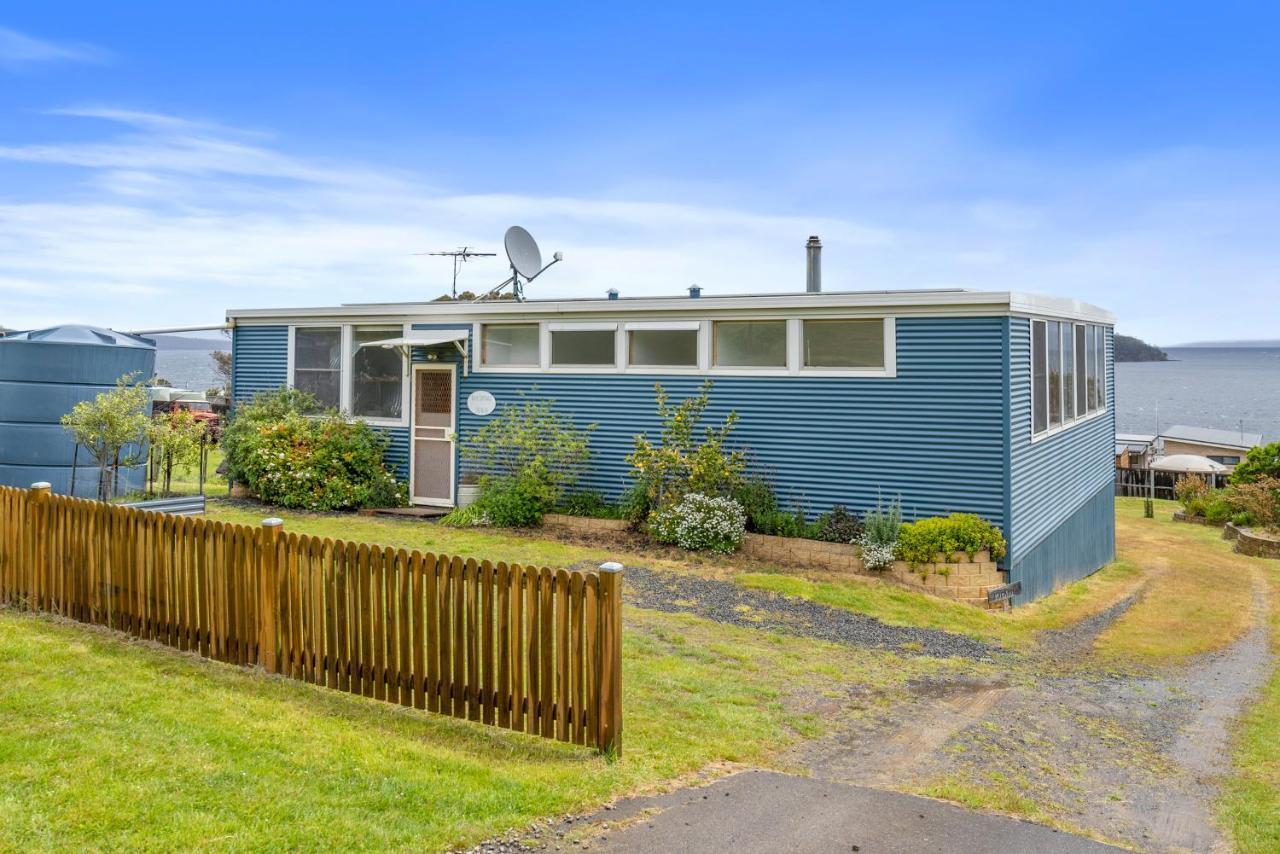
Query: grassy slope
pixel 119 744
pixel 1200 594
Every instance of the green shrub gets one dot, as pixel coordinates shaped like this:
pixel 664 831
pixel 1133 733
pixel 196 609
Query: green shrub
pixel 1191 492
pixel 920 542
pixel 685 462
pixel 780 523
pixel 248 419
pixel 1243 519
pixel 633 504
pixel 838 526
pixel 701 523
pixel 316 463
pixel 504 502
pixel 1217 508
pixel 756 497
pixel 1262 461
pixel 534 443
pixel 588 503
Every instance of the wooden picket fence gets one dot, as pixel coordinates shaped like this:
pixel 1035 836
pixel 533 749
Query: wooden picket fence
pixel 531 649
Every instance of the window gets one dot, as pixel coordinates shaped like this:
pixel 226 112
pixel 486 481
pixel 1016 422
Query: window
pixel 317 363
pixel 1100 354
pixel 509 345
pixel 1069 372
pixel 1068 361
pixel 676 348
pixel 377 375
pixel 1082 355
pixel 1055 373
pixel 749 344
pixel 583 347
pixel 1226 460
pixel 844 343
pixel 1039 379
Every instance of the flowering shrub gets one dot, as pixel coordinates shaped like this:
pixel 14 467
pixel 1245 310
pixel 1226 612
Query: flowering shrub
pixel 700 523
pixel 1258 501
pixel 920 542
pixel 880 535
pixel 685 461
pixel 321 462
pixel 1191 491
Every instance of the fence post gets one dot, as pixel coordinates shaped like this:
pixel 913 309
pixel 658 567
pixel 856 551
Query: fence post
pixel 268 607
pixel 609 703
pixel 37 562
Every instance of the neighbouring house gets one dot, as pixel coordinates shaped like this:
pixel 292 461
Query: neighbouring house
pixel 994 403
pixel 1227 447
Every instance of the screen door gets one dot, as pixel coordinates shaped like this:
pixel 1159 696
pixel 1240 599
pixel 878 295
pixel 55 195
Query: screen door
pixel 433 435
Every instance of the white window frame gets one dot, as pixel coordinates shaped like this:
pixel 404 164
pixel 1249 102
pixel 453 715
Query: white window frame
pixel 622 329
pixel 890 369
pixel 477 335
pixel 1067 423
pixel 701 356
pixel 349 379
pixel 619 345
pixel 345 378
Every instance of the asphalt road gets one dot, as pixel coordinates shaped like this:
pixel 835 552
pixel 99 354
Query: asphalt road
pixel 772 813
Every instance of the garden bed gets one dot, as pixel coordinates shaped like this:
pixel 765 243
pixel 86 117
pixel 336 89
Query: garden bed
pixel 1184 516
pixel 1256 543
pixel 952 577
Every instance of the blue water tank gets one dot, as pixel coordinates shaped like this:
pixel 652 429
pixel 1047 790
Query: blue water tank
pixel 43 374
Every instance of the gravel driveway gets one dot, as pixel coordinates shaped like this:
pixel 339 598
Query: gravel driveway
pixel 726 602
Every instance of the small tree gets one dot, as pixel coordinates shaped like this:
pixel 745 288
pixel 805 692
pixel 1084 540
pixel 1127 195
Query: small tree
pixel 176 437
pixel 222 368
pixel 685 461
pixel 532 442
pixel 1262 461
pixel 114 422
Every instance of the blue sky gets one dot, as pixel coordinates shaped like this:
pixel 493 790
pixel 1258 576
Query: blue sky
pixel 161 163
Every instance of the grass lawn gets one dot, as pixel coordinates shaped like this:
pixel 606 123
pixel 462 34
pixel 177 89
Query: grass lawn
pixel 1200 591
pixel 112 743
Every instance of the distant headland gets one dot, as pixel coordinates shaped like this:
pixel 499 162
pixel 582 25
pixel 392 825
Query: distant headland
pixel 1130 349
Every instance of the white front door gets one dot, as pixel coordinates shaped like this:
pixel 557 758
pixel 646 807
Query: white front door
pixel 431 456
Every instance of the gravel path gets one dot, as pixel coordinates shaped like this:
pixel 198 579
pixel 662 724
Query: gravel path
pixel 726 602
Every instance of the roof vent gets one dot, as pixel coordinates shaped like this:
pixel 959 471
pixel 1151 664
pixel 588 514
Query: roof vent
pixel 695 291
pixel 612 293
pixel 813 265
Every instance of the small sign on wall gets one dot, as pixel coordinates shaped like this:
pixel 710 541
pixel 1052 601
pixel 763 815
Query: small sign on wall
pixel 1004 591
pixel 480 403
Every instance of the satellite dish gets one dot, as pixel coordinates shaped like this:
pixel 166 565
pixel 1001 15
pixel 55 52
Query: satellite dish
pixel 523 251
pixel 526 263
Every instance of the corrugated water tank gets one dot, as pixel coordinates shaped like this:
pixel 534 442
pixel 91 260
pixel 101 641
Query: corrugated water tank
pixel 43 374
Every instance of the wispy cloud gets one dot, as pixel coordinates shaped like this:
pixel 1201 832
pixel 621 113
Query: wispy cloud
pixel 19 51
pixel 193 218
pixel 165 220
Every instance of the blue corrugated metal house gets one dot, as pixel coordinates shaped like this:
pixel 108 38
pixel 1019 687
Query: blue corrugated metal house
pixel 994 403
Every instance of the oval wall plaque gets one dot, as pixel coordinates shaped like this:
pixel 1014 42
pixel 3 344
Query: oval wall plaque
pixel 481 403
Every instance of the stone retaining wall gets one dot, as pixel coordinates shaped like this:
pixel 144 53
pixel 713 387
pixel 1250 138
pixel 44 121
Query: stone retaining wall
pixel 584 524
pixel 1181 516
pixel 1257 544
pixel 951 577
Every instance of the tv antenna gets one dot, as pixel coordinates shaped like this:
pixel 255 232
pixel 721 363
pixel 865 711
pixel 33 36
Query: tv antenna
pixel 460 256
pixel 526 263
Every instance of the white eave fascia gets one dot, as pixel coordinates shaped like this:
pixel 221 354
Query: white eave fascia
pixel 957 302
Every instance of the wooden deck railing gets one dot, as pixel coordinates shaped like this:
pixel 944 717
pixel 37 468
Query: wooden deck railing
pixel 531 649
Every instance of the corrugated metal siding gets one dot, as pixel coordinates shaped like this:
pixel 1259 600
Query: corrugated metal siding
pixel 1053 480
pixel 259 359
pixel 934 434
pixel 1078 546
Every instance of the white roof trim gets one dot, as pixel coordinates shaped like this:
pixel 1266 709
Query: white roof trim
pixel 950 302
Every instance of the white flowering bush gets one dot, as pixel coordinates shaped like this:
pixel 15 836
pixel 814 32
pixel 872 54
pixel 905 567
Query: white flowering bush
pixel 876 555
pixel 700 522
pixel 879 540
